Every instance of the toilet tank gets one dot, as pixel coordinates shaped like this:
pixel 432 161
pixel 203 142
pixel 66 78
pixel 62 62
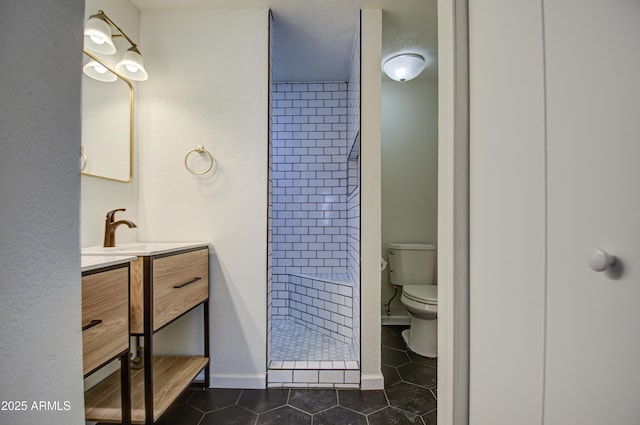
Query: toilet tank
pixel 412 264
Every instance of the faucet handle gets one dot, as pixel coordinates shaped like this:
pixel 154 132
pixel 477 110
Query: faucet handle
pixel 111 213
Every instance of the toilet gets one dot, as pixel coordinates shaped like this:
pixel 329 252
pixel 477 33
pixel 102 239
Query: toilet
pixel 413 267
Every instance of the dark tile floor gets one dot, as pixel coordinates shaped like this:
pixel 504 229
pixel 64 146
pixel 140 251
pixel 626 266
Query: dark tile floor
pixel 409 398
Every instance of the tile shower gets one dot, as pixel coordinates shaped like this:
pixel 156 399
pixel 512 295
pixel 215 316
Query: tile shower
pixel 314 233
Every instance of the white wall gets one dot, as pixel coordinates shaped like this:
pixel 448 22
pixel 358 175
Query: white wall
pixel 208 85
pixel 370 181
pixel 99 195
pixel 40 336
pixel 507 212
pixel 409 170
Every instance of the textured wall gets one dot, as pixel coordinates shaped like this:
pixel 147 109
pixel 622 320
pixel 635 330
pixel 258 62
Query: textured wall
pixel 40 337
pixel 210 86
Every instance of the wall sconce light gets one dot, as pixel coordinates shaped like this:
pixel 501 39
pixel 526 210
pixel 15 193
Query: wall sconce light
pixel 98 71
pixel 404 67
pixel 99 38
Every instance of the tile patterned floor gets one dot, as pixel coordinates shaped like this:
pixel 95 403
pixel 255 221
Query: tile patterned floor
pixel 291 341
pixel 409 398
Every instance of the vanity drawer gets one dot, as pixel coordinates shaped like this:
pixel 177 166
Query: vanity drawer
pixel 105 316
pixel 180 282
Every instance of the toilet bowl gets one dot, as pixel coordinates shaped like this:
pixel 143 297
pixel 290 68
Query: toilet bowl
pixel 413 267
pixel 421 301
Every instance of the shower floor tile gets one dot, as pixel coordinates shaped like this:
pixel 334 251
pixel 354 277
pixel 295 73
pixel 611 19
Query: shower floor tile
pixel 293 342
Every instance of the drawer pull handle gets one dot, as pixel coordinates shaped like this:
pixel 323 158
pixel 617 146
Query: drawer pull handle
pixel 91 324
pixel 182 285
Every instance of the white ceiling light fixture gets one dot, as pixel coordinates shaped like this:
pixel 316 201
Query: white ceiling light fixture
pixel 99 38
pixel 404 67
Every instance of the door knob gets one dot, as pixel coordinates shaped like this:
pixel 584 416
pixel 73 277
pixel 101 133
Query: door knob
pixel 600 260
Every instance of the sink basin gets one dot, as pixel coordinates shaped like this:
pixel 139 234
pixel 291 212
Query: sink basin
pixel 142 248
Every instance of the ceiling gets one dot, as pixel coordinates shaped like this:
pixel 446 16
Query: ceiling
pixel 313 39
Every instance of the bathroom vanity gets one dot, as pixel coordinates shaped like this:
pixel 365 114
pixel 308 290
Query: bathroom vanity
pixel 105 322
pixel 166 282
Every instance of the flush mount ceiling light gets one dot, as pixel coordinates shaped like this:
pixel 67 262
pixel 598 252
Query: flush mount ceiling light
pixel 98 37
pixel 404 67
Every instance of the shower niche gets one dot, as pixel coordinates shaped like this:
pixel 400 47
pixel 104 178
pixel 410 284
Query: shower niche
pixel 314 228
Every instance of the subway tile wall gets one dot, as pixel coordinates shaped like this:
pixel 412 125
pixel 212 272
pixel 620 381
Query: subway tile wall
pixel 324 306
pixel 269 202
pixel 353 195
pixel 315 213
pixel 309 177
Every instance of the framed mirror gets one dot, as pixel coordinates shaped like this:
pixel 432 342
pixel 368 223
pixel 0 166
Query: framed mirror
pixel 107 124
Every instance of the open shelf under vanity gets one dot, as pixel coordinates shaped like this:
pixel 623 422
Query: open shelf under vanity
pixel 171 376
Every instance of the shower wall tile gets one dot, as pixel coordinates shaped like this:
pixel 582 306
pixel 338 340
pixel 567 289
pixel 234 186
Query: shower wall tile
pixel 309 177
pixel 307 376
pixel 272 288
pixel 315 220
pixel 322 306
pixel 353 198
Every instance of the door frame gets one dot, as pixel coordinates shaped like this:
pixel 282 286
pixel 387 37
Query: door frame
pixel 453 212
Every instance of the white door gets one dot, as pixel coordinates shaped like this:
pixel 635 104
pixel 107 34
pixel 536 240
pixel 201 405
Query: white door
pixel 593 185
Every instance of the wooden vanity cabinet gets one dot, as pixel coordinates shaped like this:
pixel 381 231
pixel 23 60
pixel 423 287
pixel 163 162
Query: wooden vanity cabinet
pixel 171 285
pixel 175 284
pixel 163 288
pixel 105 329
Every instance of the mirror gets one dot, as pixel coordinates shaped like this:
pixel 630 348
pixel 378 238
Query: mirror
pixel 107 126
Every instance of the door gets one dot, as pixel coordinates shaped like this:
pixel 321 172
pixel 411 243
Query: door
pixel 593 202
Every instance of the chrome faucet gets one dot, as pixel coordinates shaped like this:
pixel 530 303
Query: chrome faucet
pixel 110 227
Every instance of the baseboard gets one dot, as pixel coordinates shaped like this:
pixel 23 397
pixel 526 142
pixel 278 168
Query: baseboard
pixel 395 320
pixel 254 381
pixel 371 381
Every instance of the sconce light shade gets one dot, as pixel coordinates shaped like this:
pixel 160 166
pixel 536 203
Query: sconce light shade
pixel 404 67
pixel 99 72
pixel 131 65
pixel 97 36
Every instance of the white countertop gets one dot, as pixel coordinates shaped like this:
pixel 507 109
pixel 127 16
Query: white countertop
pixel 142 248
pixel 92 262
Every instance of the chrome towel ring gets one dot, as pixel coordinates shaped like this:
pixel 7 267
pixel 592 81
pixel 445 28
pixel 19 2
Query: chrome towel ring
pixel 201 150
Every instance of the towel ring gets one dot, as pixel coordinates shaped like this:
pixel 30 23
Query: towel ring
pixel 83 158
pixel 199 149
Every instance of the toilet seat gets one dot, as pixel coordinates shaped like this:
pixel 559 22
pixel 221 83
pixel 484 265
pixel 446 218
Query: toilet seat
pixel 424 294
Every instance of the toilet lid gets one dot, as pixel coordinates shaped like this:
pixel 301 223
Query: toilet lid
pixel 426 294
